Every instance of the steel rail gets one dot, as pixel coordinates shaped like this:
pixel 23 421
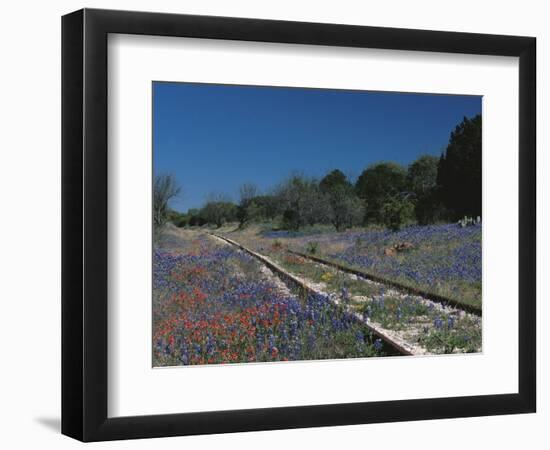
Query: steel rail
pixel 394 284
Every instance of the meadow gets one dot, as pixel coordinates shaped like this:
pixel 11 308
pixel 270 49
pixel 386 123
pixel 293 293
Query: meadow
pixel 214 304
pixel 444 259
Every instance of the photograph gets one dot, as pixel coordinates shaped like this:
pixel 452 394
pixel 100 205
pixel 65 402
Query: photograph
pixel 294 224
pixel 265 225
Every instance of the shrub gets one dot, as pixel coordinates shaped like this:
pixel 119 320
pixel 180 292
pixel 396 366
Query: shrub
pixel 291 219
pixel 396 212
pixel 377 184
pixel 312 247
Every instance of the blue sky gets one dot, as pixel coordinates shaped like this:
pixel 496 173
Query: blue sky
pixel 215 137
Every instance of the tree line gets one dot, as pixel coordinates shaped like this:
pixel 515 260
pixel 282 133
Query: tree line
pixel 429 190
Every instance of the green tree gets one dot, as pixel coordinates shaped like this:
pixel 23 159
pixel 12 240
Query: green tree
pixel 422 174
pixel 267 206
pixel 422 182
pixel 218 210
pixel 195 218
pixel 346 209
pixel 377 185
pixel 459 170
pixel 177 218
pixel 334 179
pixel 396 211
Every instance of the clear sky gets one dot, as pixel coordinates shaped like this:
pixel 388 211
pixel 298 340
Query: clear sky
pixel 213 138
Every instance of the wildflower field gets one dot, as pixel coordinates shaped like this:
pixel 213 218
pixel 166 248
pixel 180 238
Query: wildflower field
pixel 214 304
pixel 444 259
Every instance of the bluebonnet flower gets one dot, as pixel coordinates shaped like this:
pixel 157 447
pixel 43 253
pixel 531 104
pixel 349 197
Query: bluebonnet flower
pixel 438 323
pixel 450 322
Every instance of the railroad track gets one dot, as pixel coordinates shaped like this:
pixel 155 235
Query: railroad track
pixel 394 284
pixel 399 346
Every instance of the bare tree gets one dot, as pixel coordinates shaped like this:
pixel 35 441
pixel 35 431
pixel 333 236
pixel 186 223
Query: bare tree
pixel 218 197
pixel 165 188
pixel 247 192
pixel 301 202
pixel 247 209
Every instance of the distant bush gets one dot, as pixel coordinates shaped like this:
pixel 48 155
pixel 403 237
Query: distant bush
pixel 378 185
pixel 177 218
pixel 218 210
pixel 396 212
pixel 197 221
pixel 291 219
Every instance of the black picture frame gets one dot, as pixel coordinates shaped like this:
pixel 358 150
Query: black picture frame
pixel 84 224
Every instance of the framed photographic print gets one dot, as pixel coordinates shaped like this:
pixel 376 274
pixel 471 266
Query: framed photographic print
pixel 273 224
